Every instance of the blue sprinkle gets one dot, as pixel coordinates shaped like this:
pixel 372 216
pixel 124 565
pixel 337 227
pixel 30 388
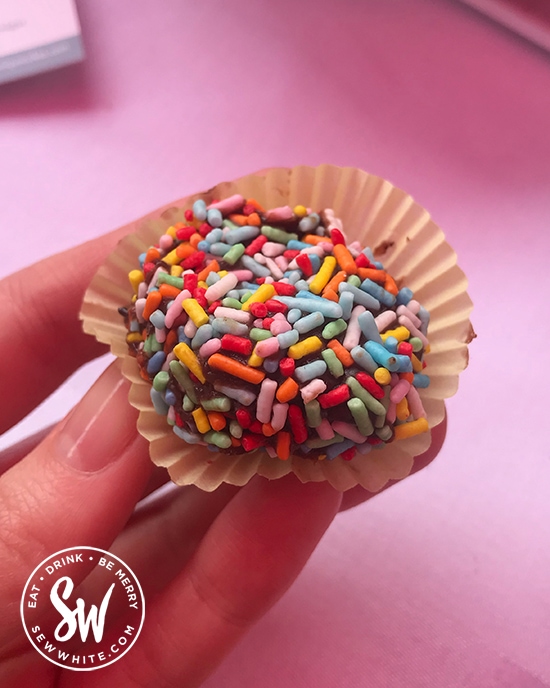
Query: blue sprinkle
pixel 157 319
pixel 309 322
pixel 271 365
pixel 295 245
pixel 369 254
pixel 142 259
pixel 293 276
pixel 328 308
pixel 346 303
pixel 158 402
pixel 335 450
pixel 315 262
pixel 302 284
pixel 213 236
pixel 308 295
pixel 309 222
pixel 187 436
pixel 214 217
pixel 212 278
pixel 256 268
pixel 293 315
pixel 250 286
pixel 391 344
pixel 360 296
pixel 202 335
pixel 424 316
pixel 218 248
pixel 242 234
pixel 310 371
pixel 287 339
pixel 368 326
pixel 199 210
pixel 403 296
pixel 405 364
pixel 182 337
pixel 170 397
pixel 134 326
pixel 378 265
pixel 378 292
pixel 156 362
pixel 382 356
pixel 364 359
pixel 421 381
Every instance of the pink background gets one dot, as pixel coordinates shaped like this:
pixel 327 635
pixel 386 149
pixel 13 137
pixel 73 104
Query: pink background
pixel 444 580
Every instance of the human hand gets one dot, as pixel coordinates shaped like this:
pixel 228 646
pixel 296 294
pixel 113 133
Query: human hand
pixel 210 564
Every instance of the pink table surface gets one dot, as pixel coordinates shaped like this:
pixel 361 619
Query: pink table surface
pixel 444 580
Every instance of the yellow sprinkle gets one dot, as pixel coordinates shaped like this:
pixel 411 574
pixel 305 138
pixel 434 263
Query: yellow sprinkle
pixel 176 270
pixel 400 333
pixel 305 347
pixel 201 421
pixel 323 276
pixel 255 361
pixel 223 273
pixel 134 338
pixel 134 298
pixel 171 231
pixel 382 376
pixel 202 284
pixel 414 427
pixel 300 210
pixel 427 349
pixel 188 358
pixel 136 277
pixel 172 258
pixel 261 295
pixel 417 365
pixel 321 457
pixel 402 409
pixel 196 312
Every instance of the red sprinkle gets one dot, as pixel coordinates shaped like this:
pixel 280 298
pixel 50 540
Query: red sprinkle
pixel 256 427
pixel 362 261
pixel 404 348
pixel 289 254
pixel 189 215
pixel 248 209
pixel 243 417
pixel 205 229
pixel 349 453
pixel 239 345
pixel 337 236
pixel 284 289
pixel 199 296
pixel 370 384
pixel 258 310
pixel 287 366
pixel 185 233
pixel 260 280
pixel 251 442
pixel 190 281
pixel 297 424
pixel 148 267
pixel 213 306
pixel 276 306
pixel 267 323
pixel 256 245
pixel 179 421
pixel 304 263
pixel 195 260
pixel 374 440
pixel 336 396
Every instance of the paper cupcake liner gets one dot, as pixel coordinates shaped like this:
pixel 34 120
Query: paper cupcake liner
pixel 374 212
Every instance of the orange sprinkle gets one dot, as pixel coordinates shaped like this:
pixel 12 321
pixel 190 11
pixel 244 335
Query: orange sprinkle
pixel 254 220
pixel 195 239
pixel 314 239
pixel 180 225
pixel 169 291
pixel 152 302
pixel 283 445
pixel 152 255
pixel 338 278
pixel 144 375
pixel 287 391
pixel 267 430
pixel 407 376
pixel 185 250
pixel 372 274
pixel 390 285
pixel 235 442
pixel 240 220
pixel 416 363
pixel 254 203
pixel 231 367
pixel 345 259
pixel 171 341
pixel 217 420
pixel 330 294
pixel 211 267
pixel 342 354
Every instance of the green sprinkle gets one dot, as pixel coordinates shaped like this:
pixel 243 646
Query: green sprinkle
pixel 235 429
pixel 151 345
pixel 231 303
pixel 354 281
pixel 222 404
pixel 384 433
pixel 234 253
pixel 228 223
pixel 333 329
pixel 416 344
pixel 318 443
pixel 170 421
pixel 361 416
pixel 366 397
pixel 187 404
pixel 279 235
pixel 246 296
pixel 334 365
pixel 258 335
pixel 165 278
pixel 180 373
pixel 219 439
pixel 379 421
pixel 160 381
pixel 313 413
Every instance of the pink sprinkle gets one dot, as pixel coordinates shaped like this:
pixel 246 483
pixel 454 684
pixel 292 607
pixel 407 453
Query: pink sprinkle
pixel 325 430
pixel 353 333
pixel 364 448
pixel 275 269
pixel 153 282
pixel 142 290
pixel 228 205
pixel 394 379
pixel 272 249
pixel 349 431
pixel 259 258
pixel 160 335
pixel 166 365
pixel 233 313
pixel 406 322
pixel 176 308
pixel 243 275
pixel 264 403
pixel 210 347
pixel 415 403
pixel 140 305
pixel 282 262
pixel 384 320
pixel 267 347
pixel 326 246
pixel 271 451
pixel 259 322
pixel 403 310
pixel 190 329
pixel 312 390
pixel 354 248
pixel 400 390
pixel 278 419
pixel 391 413
pixel 165 242
pixel 281 214
pixel 413 306
pixel 279 326
pixel 171 415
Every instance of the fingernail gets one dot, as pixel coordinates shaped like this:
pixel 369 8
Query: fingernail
pixel 100 426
